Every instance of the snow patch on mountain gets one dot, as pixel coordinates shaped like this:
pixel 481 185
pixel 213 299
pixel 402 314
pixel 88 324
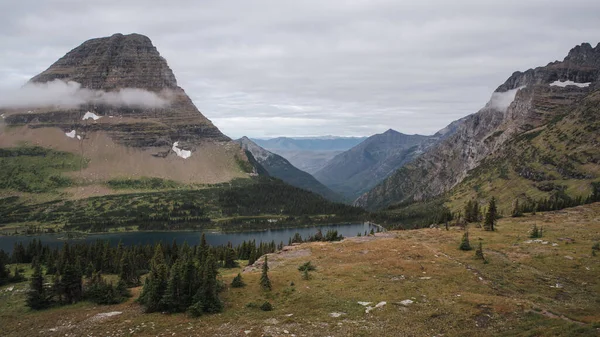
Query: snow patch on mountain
pixel 91 115
pixel 566 83
pixel 71 134
pixel 181 152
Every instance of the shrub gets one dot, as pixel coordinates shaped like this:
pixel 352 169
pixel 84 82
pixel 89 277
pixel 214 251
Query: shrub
pixel 306 266
pixel 267 306
pixel 237 281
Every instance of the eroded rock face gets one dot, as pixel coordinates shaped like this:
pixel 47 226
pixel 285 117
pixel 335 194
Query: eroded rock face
pixel 108 63
pixel 482 134
pixel 113 64
pixel 118 62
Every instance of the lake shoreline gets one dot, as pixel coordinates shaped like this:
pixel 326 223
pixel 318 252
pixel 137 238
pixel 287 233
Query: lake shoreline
pixel 207 230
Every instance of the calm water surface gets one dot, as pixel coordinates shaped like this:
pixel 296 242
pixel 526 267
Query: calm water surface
pixel 192 238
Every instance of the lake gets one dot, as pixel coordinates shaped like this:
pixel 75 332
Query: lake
pixel 192 238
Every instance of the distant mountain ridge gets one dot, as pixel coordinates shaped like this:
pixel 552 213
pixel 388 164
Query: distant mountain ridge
pixel 360 168
pixel 309 153
pixel 278 167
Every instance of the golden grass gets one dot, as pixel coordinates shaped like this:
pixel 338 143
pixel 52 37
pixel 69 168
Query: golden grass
pixel 515 294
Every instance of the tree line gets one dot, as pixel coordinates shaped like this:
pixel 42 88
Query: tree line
pixel 178 277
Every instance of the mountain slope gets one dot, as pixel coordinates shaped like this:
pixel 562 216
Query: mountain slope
pixel 115 102
pixel 528 105
pixel 309 154
pixel 278 167
pixel 357 170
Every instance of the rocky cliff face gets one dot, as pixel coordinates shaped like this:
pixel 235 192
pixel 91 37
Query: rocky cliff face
pixel 171 140
pixel 278 167
pixel 526 101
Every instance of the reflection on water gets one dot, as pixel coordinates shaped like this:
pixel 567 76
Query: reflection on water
pixel 192 238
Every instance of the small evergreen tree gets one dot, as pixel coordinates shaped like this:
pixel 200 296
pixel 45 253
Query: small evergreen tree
pixel 267 306
pixel 37 297
pixel 156 283
pixel 229 258
pixel 238 282
pixel 464 243
pixel 479 253
pixel 305 275
pixel 4 273
pixel 535 232
pixel 595 248
pixel 491 216
pixel 17 277
pixel 517 211
pixel 265 283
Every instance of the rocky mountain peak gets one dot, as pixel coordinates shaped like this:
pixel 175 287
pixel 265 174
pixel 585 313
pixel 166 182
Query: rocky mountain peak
pixel 108 63
pixel 584 55
pixel 581 65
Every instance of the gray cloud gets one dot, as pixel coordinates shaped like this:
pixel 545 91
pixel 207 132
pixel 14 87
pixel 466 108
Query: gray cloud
pixel 71 94
pixel 268 68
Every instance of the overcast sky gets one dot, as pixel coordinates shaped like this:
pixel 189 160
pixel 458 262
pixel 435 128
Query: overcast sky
pixel 309 68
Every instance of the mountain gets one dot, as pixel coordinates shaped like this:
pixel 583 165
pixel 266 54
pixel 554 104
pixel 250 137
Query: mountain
pixel 358 169
pixel 115 103
pixel 278 167
pixel 537 137
pixel 309 153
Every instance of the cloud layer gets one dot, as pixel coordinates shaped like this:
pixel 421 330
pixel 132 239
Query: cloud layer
pixel 268 68
pixel 71 94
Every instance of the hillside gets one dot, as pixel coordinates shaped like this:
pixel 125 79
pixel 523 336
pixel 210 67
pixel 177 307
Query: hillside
pixel 309 154
pixel 115 102
pixel 358 169
pixel 257 203
pixel 278 167
pixel 535 137
pixel 424 285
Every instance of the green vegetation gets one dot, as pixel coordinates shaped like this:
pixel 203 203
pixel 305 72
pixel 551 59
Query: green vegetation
pixel 36 169
pixel 491 216
pixel 255 204
pixel 535 232
pixel 464 242
pixel 238 282
pixel 410 215
pixel 265 282
pixel 144 183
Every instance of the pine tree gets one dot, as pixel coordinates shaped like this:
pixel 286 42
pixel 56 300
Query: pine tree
pixel 127 271
pixel 252 258
pixel 535 232
pixel 469 211
pixel 207 299
pixel 479 253
pixel 71 284
pixel 465 244
pixel 491 215
pixel 238 282
pixel 4 274
pixel 229 261
pixel 37 297
pixel 265 283
pixel 171 299
pixel 517 211
pixel 156 283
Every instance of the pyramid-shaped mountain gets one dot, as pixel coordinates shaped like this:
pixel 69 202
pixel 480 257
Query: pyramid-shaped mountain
pixel 125 114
